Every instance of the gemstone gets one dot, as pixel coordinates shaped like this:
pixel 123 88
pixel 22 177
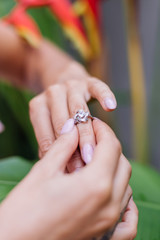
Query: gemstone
pixel 81 116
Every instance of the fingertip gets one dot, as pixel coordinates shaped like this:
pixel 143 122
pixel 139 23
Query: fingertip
pixel 68 126
pixel 69 132
pixel 110 104
pixel 99 128
pixel 133 205
pixel 97 123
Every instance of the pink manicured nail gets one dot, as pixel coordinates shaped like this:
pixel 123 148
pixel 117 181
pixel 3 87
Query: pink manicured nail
pixel 2 127
pixel 87 153
pixel 68 126
pixel 110 103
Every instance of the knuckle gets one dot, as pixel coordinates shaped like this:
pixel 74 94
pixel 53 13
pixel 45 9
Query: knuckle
pixel 45 144
pixel 70 84
pixel 103 190
pixel 85 131
pixel 54 89
pixel 58 124
pixel 34 103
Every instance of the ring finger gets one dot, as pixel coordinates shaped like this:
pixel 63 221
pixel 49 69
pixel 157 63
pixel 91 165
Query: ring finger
pixel 57 101
pixel 86 134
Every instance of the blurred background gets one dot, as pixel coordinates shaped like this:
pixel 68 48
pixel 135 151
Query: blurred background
pixel 130 33
pixel 124 37
pixel 120 36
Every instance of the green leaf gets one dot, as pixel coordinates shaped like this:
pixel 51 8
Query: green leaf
pixel 6 6
pixel 48 25
pixel 145 183
pixel 12 171
pixel 149 221
pixel 16 102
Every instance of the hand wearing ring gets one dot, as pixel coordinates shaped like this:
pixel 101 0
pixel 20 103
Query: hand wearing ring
pixel 50 110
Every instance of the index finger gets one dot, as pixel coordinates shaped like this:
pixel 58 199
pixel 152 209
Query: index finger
pixel 108 150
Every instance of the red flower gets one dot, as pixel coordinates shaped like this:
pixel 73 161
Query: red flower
pixel 34 3
pixel 24 24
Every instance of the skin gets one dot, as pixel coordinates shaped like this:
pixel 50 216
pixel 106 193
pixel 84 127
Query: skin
pixel 64 86
pixel 98 192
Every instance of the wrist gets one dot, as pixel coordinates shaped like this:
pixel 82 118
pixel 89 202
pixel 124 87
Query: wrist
pixel 49 65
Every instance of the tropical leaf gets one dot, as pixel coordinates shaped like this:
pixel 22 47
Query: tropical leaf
pixel 48 25
pixel 24 25
pixel 149 221
pixel 14 114
pixel 145 183
pixel 6 6
pixel 12 171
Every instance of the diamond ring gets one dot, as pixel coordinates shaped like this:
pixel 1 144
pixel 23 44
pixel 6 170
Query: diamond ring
pixel 82 117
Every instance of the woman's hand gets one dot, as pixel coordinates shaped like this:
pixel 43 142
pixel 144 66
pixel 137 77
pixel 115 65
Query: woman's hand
pixel 49 204
pixel 50 110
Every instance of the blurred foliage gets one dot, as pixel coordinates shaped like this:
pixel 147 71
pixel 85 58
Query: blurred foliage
pixel 48 25
pixel 12 171
pixel 145 183
pixel 6 6
pixel 18 137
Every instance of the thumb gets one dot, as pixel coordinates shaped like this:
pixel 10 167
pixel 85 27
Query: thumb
pixel 63 148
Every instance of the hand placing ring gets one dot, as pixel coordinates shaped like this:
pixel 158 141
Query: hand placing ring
pixel 82 117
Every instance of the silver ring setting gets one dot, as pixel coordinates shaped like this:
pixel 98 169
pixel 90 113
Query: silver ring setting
pixel 82 117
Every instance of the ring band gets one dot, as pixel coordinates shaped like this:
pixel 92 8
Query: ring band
pixel 82 117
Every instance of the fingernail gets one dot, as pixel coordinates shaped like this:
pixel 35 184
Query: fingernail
pixel 68 126
pixel 87 153
pixel 110 103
